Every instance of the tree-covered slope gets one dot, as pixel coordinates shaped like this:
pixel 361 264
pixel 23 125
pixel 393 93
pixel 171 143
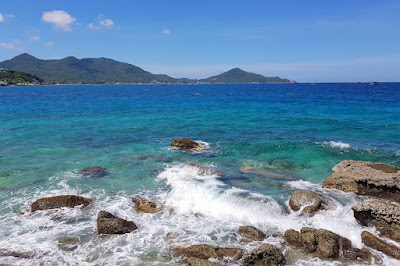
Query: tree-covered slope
pixel 237 75
pixel 11 77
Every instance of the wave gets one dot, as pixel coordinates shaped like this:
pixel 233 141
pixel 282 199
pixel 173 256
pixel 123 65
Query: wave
pixel 336 144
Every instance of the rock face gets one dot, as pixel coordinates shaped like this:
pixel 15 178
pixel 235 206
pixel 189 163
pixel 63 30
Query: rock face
pixel 250 233
pixel 376 243
pixel 145 206
pixel 186 144
pixel 200 262
pixel 94 171
pixel 366 178
pixel 311 201
pixel 325 244
pixel 202 170
pixel 206 251
pixel 384 216
pixel 266 254
pixel 58 202
pixel 110 224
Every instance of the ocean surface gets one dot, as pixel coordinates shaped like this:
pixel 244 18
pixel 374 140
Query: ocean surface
pixel 291 134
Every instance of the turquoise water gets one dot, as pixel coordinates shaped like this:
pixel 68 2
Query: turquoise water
pixel 294 133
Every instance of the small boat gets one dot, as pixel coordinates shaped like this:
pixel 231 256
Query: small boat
pixel 374 83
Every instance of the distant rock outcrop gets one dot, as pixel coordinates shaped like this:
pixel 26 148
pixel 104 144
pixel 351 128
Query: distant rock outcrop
pixel 110 224
pixel 94 171
pixel 145 206
pixel 376 243
pixel 59 201
pixel 366 178
pixel 264 255
pixel 186 144
pixel 384 216
pixel 250 233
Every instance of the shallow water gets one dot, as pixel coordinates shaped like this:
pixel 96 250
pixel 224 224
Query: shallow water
pixel 293 133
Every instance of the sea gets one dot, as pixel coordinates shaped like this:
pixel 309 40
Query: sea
pixel 288 135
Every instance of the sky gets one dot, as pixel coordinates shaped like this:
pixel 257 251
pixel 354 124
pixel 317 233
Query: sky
pixel 306 41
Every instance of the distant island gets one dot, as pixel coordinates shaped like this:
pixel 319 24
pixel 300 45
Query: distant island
pixel 71 70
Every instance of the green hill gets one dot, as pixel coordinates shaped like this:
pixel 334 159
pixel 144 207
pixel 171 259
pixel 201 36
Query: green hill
pixel 11 77
pixel 237 75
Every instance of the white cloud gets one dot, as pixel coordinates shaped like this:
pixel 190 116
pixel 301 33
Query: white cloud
pixel 60 19
pixel 108 23
pixel 1 18
pixel 166 31
pixel 7 45
pixel 35 38
pixel 50 44
pixel 14 45
pixel 91 26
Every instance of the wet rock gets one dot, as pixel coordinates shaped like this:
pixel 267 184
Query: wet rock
pixel 270 173
pixel 110 224
pixel 94 171
pixel 311 201
pixel 250 233
pixel 186 144
pixel 376 243
pixel 265 254
pixel 366 178
pixel 145 206
pixel 325 244
pixel 16 254
pixel 200 262
pixel 202 170
pixel 68 243
pixel 59 201
pixel 206 252
pixel 384 216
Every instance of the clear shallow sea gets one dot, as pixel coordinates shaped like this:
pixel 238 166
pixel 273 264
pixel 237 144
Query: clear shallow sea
pixel 294 133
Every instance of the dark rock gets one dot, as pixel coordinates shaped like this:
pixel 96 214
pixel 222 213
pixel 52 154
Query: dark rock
pixel 266 254
pixel 203 171
pixel 110 224
pixel 366 178
pixel 250 233
pixel 312 200
pixel 376 243
pixel 384 216
pixel 145 206
pixel 206 251
pixel 94 171
pixel 186 144
pixel 325 244
pixel 200 262
pixel 59 201
pixel 68 243
pixel 16 254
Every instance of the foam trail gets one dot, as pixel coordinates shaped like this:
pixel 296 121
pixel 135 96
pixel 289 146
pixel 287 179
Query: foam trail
pixel 337 144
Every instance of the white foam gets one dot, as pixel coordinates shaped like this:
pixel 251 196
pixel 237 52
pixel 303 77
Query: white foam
pixel 337 144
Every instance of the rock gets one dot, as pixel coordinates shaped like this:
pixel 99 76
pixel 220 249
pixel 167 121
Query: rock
pixel 110 224
pixel 202 170
pixel 250 233
pixel 200 262
pixel 366 178
pixel 270 173
pixel 206 251
pixel 59 201
pixel 16 254
pixel 384 216
pixel 186 144
pixel 376 243
pixel 265 254
pixel 311 201
pixel 145 206
pixel 94 171
pixel 325 244
pixel 68 243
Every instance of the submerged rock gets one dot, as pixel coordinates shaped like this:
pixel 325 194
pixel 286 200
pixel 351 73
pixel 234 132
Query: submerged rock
pixel 94 171
pixel 376 243
pixel 384 216
pixel 366 178
pixel 325 244
pixel 59 201
pixel 200 262
pixel 203 171
pixel 145 206
pixel 68 243
pixel 250 233
pixel 186 144
pixel 110 224
pixel 311 201
pixel 269 173
pixel 16 254
pixel 206 252
pixel 266 254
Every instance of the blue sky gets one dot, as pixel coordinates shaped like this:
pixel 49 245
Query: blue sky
pixel 306 41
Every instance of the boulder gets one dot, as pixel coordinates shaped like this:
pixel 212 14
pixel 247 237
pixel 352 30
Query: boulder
pixel 186 144
pixel 266 254
pixel 366 178
pixel 384 216
pixel 59 201
pixel 202 170
pixel 206 252
pixel 110 224
pixel 68 243
pixel 250 233
pixel 200 262
pixel 376 243
pixel 145 206
pixel 311 201
pixel 94 171
pixel 325 244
